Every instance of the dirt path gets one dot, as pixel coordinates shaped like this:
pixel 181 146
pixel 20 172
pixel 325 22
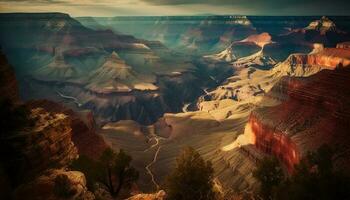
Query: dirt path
pixel 148 167
pixel 149 171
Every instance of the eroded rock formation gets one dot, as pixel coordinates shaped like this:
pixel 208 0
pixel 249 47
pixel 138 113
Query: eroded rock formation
pixel 160 195
pixel 55 185
pixel 47 144
pixel 83 128
pixel 344 45
pixel 315 111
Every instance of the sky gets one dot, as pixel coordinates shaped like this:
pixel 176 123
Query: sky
pixel 107 8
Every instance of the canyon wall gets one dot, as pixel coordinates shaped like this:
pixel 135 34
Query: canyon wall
pixel 45 145
pixel 314 111
pixel 84 137
pixel 36 145
pixel 344 45
pixel 329 57
pixel 272 141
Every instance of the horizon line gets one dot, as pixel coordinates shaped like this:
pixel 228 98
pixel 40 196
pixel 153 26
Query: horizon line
pixel 195 15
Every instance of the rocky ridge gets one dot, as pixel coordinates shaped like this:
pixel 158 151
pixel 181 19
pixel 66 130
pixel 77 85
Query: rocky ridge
pixel 83 125
pixel 307 112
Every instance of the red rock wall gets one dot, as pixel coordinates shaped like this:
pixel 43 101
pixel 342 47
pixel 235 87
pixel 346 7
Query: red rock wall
pixel 275 143
pixel 330 58
pixel 344 45
pixel 315 112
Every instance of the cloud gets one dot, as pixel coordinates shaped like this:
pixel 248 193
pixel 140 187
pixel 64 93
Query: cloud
pixel 263 5
pixel 179 7
pixel 182 2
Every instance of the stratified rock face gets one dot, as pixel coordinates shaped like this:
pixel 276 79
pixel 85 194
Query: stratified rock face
pixel 116 76
pixel 47 186
pixel 274 142
pixel 8 82
pixel 329 57
pixel 83 128
pixel 57 70
pixel 47 144
pixel 250 84
pixel 244 48
pixel 343 45
pixel 161 195
pixel 316 110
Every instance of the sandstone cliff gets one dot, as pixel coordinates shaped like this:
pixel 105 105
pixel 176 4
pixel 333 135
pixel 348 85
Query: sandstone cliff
pixel 55 185
pixel 344 45
pixel 83 128
pixel 245 89
pixel 45 145
pixel 315 111
pixel 40 141
pixel 161 195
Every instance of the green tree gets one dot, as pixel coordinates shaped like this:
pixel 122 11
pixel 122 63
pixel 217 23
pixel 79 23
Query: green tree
pixel 270 174
pixel 112 169
pixel 107 163
pixel 315 178
pixel 92 170
pixel 191 179
pixel 125 174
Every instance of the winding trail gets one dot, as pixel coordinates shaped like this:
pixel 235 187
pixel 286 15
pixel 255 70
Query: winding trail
pixel 149 171
pixel 150 165
pixel 69 97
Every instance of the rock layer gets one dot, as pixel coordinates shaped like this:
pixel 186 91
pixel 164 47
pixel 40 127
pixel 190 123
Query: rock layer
pixel 46 186
pixel 316 111
pixel 47 144
pixel 83 127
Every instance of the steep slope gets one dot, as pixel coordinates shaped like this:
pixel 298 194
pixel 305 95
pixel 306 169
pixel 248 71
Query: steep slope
pixel 314 112
pixel 257 60
pixel 42 34
pixel 57 70
pixel 48 143
pixel 71 62
pixel 116 76
pixel 246 47
pixel 39 143
pixel 250 84
pixel 155 147
pixel 84 135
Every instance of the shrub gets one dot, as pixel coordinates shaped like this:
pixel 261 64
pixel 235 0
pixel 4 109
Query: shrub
pixel 191 178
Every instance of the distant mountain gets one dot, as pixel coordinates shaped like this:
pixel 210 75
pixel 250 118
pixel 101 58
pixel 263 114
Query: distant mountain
pixel 323 25
pixel 244 48
pixel 197 34
pixel 116 76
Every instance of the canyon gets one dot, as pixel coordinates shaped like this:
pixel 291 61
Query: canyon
pixel 35 155
pixel 237 89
